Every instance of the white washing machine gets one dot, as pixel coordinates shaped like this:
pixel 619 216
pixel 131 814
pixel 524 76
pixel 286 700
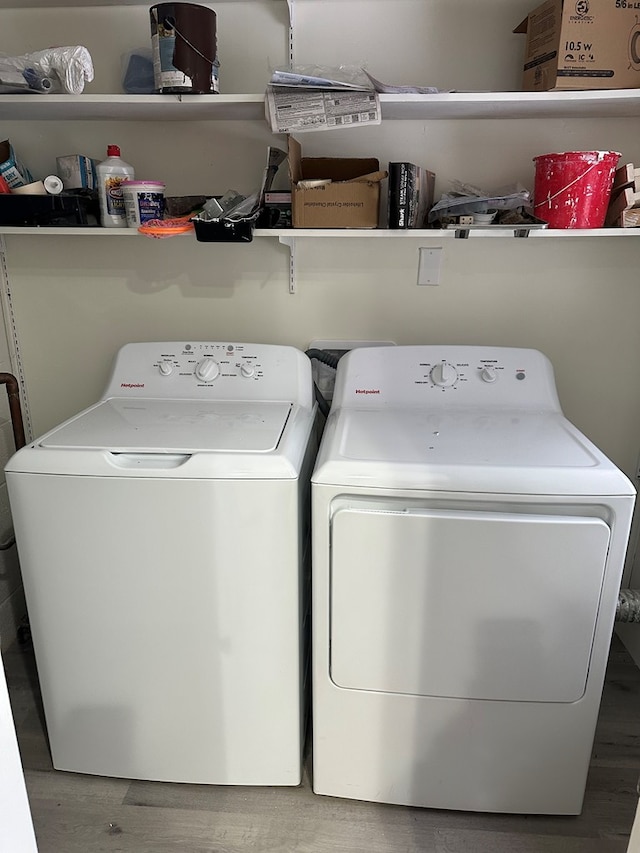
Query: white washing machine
pixel 161 535
pixel 468 547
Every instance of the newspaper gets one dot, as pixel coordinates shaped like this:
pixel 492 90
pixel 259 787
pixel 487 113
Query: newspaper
pixel 296 109
pixel 311 81
pixel 315 97
pixel 388 89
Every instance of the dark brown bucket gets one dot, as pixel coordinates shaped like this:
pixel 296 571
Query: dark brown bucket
pixel 184 47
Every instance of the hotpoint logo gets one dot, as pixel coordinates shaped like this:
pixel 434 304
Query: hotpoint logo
pixel 367 390
pixel 132 384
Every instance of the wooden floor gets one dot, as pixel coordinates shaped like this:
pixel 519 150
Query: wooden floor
pixel 86 814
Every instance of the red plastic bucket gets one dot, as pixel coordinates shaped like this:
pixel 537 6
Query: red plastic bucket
pixel 572 189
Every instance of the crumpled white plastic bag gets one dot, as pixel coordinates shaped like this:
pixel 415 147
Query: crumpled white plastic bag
pixel 66 69
pixel 466 199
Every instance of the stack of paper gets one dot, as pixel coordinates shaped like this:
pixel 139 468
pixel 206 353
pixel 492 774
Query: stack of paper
pixel 296 103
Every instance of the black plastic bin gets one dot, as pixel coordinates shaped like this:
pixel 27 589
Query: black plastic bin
pixel 225 230
pixel 64 210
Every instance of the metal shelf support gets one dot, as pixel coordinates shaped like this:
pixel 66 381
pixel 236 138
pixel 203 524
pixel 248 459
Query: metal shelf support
pixel 290 242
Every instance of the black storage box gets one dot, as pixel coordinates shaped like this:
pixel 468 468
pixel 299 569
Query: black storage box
pixel 64 210
pixel 224 230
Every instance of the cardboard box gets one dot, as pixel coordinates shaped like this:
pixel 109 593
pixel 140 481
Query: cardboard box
pixel 339 198
pixel 582 44
pixel 629 218
pixel 77 172
pixel 12 170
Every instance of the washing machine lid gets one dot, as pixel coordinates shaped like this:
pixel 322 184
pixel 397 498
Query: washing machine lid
pixel 478 450
pixel 173 426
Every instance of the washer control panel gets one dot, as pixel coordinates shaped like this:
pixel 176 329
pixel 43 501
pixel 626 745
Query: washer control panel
pixel 202 370
pixel 445 376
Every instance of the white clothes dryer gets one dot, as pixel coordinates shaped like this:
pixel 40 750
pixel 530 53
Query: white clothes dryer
pixel 468 548
pixel 162 536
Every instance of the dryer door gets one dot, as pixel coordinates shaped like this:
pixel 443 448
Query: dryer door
pixel 486 605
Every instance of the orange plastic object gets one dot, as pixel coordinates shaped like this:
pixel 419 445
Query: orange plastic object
pixel 166 227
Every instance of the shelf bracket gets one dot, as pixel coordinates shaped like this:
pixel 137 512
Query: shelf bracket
pixel 290 5
pixel 11 331
pixel 290 242
pixel 519 230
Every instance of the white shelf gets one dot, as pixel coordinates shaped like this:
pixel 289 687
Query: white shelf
pixel 132 107
pixel 617 103
pixel 61 4
pixel 614 103
pixel 342 233
pixel 441 234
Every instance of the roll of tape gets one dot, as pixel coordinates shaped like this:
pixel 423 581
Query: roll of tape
pixel 36 188
pixel 53 184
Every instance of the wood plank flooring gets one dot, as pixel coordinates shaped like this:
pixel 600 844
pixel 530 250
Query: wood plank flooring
pixel 86 814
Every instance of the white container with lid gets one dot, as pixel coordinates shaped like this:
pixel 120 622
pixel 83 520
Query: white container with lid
pixel 143 200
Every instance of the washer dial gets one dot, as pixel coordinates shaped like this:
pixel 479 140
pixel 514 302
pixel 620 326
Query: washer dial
pixel 207 370
pixel 165 368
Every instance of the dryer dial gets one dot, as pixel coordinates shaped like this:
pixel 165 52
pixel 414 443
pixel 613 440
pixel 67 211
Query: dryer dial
pixel 165 368
pixel 247 370
pixel 207 370
pixel 443 374
pixel 488 374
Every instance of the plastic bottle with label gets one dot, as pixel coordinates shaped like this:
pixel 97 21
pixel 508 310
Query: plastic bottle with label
pixel 111 172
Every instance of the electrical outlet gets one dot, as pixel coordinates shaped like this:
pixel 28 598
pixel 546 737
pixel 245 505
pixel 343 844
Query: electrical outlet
pixel 429 263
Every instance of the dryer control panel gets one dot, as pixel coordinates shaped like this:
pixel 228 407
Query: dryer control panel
pixel 446 376
pixel 211 371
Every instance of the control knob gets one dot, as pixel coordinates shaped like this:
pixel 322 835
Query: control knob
pixel 207 370
pixel 443 374
pixel 165 368
pixel 488 374
pixel 247 370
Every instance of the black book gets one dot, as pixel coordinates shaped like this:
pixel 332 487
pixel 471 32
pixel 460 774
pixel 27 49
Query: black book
pixel 410 197
pixel 399 193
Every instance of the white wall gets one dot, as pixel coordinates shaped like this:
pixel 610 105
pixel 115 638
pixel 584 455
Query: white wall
pixel 75 311
pixel 12 605
pixel 77 300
